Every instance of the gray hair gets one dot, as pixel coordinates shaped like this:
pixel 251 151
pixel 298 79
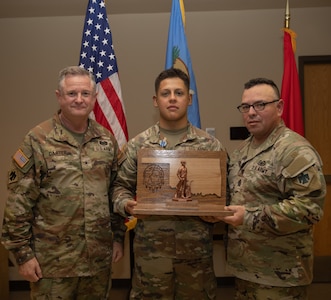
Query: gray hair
pixel 75 71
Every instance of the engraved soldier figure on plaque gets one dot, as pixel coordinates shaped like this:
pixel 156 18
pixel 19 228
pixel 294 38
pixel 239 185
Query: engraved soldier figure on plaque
pixel 183 189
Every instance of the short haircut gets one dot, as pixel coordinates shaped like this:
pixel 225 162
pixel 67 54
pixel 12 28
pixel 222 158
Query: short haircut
pixel 258 81
pixel 172 73
pixel 75 71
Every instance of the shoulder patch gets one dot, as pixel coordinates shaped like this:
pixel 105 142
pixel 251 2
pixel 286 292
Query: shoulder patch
pixel 298 165
pixel 304 178
pixel 20 158
pixel 12 176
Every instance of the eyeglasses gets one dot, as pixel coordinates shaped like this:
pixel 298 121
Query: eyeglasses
pixel 258 106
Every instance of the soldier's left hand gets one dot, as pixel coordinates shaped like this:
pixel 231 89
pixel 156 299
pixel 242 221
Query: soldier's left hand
pixel 117 251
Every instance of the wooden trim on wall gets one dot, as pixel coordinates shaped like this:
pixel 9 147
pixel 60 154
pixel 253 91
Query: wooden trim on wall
pixel 309 59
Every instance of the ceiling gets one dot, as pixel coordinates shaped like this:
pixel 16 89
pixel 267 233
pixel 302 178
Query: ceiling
pixel 45 8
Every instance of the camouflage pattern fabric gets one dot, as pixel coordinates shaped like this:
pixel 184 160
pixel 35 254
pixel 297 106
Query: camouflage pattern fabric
pixel 96 287
pixel 153 279
pixel 58 207
pixel 246 290
pixel 171 237
pixel 283 188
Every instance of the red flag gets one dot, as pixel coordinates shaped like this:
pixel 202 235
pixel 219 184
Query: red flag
pixel 290 93
pixel 97 56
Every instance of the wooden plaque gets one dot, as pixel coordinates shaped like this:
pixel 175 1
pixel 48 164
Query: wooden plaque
pixel 178 182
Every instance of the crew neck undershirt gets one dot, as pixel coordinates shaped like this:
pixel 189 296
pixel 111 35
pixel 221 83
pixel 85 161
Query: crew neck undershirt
pixel 172 137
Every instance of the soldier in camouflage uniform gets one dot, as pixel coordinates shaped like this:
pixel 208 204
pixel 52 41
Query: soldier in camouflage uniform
pixel 172 254
pixel 277 194
pixel 58 221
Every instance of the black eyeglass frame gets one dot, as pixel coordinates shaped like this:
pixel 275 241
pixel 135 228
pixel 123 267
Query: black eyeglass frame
pixel 260 104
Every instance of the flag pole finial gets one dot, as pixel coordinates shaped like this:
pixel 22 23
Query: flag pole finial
pixel 287 14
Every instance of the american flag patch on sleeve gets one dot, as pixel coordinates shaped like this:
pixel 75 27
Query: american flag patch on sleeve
pixel 20 158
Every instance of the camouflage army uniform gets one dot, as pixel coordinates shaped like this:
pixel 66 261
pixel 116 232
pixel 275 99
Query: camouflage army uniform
pixel 282 186
pixel 166 243
pixel 58 204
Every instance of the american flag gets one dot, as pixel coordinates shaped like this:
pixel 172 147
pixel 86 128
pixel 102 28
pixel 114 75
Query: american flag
pixel 98 57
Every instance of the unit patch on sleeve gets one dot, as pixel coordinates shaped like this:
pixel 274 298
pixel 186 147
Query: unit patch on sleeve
pixel 12 176
pixel 20 158
pixel 304 179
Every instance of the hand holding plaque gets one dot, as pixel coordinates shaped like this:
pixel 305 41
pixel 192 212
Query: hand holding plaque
pixel 175 182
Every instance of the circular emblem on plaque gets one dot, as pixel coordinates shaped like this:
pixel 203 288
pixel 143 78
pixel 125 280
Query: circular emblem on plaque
pixel 153 177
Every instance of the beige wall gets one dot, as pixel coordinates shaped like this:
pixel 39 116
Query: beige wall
pixel 227 48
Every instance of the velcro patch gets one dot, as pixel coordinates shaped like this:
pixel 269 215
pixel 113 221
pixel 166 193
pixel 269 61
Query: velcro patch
pixel 20 158
pixel 303 179
pixel 12 176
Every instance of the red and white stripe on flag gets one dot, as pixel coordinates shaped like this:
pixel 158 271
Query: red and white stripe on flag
pixel 109 108
pixel 98 57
